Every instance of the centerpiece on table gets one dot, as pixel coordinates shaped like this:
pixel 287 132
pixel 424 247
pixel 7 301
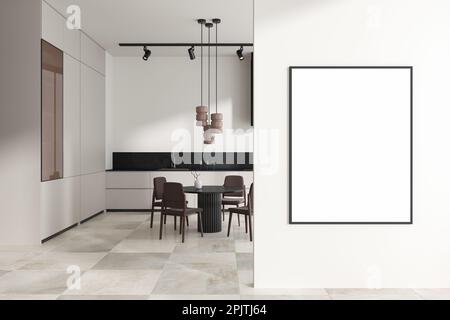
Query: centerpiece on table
pixel 197 183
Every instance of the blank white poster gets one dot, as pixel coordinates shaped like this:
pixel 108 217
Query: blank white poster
pixel 351 137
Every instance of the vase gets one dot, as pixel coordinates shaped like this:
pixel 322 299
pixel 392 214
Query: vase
pixel 198 184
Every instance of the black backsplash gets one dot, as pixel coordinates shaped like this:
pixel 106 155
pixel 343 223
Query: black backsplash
pixel 154 161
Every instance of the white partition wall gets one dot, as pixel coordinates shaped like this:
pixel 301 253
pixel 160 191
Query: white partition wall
pixel 353 33
pixel 20 93
pixel 81 193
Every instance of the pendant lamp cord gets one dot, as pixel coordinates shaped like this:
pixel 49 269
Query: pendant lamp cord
pixel 201 65
pixel 217 27
pixel 209 75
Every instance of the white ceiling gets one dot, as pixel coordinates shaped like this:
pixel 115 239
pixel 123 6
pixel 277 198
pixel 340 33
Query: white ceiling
pixel 113 21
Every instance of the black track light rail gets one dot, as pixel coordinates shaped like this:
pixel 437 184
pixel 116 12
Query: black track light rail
pixel 185 44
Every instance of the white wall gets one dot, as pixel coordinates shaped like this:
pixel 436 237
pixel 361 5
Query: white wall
pixel 355 32
pixel 20 116
pixel 81 193
pixel 151 100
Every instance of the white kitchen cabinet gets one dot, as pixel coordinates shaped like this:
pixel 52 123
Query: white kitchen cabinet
pixel 60 205
pixel 92 121
pixel 131 190
pixel 72 117
pixel 92 194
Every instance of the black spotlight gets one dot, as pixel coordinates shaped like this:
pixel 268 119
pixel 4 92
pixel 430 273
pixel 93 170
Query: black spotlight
pixel 191 51
pixel 240 53
pixel 147 54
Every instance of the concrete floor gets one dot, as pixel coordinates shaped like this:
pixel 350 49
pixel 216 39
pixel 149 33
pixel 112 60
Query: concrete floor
pixel 118 256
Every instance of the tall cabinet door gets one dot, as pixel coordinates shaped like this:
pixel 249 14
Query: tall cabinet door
pixel 92 142
pixel 72 117
pixel 92 121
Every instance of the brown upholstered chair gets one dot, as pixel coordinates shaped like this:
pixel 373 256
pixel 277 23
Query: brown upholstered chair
pixel 174 204
pixel 247 211
pixel 233 198
pixel 158 190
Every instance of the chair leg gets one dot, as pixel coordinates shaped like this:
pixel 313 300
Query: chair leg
pixel 239 219
pixel 223 212
pixel 246 224
pixel 165 219
pixel 174 222
pixel 182 227
pixel 200 222
pixel 229 222
pixel 187 221
pixel 250 227
pixel 161 225
pixel 151 217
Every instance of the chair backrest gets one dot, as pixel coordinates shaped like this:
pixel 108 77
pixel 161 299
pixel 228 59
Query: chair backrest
pixel 158 187
pixel 250 199
pixel 173 196
pixel 234 181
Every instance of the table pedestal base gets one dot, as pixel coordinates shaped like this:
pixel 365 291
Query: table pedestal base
pixel 212 214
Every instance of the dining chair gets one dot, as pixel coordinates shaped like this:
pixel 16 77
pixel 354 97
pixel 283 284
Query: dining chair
pixel 158 190
pixel 174 204
pixel 233 198
pixel 247 211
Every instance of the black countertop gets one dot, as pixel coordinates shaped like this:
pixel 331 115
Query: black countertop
pixel 181 170
pixel 190 161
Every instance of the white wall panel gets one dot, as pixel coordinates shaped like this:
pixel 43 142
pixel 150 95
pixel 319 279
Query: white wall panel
pixel 92 194
pixel 53 26
pixel 72 117
pixel 152 104
pixel 72 42
pixel 92 121
pixel 357 33
pixel 20 121
pixel 60 205
pixel 92 54
pixel 55 31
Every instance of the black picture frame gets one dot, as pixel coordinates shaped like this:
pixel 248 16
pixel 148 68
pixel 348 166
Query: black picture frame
pixel 252 88
pixel 411 220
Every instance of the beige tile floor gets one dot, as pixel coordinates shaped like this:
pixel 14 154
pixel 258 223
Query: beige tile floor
pixel 120 257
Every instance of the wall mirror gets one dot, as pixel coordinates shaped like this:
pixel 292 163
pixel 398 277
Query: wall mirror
pixel 51 112
pixel 351 145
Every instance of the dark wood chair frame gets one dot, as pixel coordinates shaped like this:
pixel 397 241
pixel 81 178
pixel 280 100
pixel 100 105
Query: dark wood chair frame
pixel 238 195
pixel 247 211
pixel 174 204
pixel 157 202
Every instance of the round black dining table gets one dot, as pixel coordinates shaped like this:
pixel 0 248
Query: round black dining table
pixel 210 200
